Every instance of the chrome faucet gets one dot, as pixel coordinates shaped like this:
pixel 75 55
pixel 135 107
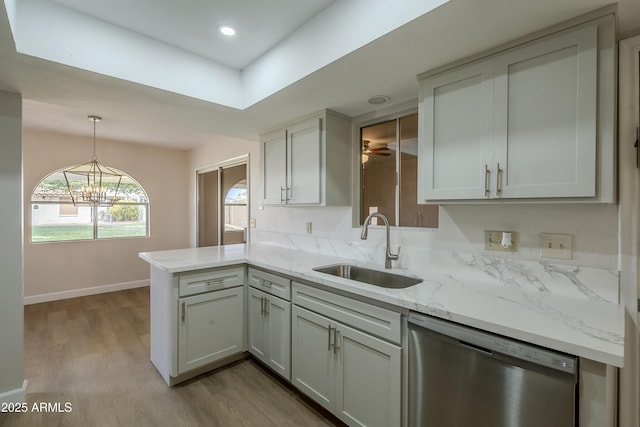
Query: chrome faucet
pixel 365 229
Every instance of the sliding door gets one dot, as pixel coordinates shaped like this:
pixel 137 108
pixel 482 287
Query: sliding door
pixel 223 210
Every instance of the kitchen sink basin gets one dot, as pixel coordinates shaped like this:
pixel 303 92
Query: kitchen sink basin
pixel 366 275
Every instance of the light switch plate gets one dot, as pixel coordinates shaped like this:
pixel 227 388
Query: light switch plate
pixel 493 241
pixel 558 246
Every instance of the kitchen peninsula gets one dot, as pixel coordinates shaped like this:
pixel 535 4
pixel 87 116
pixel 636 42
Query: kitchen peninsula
pixel 570 309
pixel 493 297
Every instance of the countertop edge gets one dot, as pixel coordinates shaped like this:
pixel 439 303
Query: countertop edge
pixel 613 357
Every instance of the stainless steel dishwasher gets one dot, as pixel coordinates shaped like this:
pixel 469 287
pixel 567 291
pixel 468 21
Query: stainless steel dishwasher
pixel 460 376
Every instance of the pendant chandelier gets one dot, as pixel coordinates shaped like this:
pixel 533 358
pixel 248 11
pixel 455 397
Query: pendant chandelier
pixel 93 183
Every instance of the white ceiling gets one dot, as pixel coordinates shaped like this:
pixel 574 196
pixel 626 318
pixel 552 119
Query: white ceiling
pixel 192 24
pixel 339 70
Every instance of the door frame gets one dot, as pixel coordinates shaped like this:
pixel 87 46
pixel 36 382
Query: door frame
pixel 629 228
pixel 228 163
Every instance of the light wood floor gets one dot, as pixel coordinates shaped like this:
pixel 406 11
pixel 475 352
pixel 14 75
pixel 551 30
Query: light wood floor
pixel 93 353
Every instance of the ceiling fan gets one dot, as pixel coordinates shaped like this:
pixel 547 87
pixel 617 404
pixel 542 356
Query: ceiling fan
pixel 377 151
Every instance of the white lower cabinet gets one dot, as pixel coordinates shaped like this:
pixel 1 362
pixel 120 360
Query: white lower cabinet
pixel 196 320
pixel 211 326
pixel 355 375
pixel 343 353
pixel 312 356
pixel 270 331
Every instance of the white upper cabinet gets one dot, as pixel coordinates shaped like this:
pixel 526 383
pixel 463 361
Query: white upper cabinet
pixel 545 118
pixel 304 160
pixel 274 176
pixel 531 122
pixel 456 132
pixel 307 162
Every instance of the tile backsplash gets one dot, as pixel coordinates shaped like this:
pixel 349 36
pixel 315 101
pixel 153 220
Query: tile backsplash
pixel 458 243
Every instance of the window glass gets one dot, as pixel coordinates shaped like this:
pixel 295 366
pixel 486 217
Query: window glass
pixel 412 214
pixel 389 165
pixel 235 207
pixel 235 212
pixel 55 218
pixel 378 171
pixel 122 220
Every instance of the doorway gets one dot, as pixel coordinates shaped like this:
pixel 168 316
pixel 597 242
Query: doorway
pixel 223 208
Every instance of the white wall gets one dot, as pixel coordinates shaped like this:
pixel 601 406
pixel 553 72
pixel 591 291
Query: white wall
pixel 65 269
pixel 215 152
pixel 11 258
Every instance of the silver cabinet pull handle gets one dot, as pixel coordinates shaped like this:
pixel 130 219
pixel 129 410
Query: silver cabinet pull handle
pixel 487 175
pixel 329 343
pixel 336 347
pixel 263 310
pixel 183 310
pixel 265 283
pixel 499 180
pixel 266 305
pixel 283 197
pixel 219 280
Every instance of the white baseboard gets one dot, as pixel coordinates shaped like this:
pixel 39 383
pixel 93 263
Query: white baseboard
pixel 18 395
pixel 73 293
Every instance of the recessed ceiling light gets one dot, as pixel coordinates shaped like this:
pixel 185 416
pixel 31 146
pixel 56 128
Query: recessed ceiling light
pixel 227 30
pixel 378 99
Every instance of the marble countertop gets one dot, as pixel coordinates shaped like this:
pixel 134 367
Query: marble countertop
pixel 505 297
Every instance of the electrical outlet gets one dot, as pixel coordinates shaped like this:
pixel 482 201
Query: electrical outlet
pixel 558 246
pixel 493 241
pixel 252 223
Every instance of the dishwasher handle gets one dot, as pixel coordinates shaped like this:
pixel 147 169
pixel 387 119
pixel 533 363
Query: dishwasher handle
pixel 476 348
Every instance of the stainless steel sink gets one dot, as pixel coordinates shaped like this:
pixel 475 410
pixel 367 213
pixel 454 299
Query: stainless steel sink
pixel 366 275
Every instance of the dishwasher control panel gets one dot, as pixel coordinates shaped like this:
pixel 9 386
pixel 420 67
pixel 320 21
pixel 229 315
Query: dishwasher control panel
pixel 491 343
pixel 535 355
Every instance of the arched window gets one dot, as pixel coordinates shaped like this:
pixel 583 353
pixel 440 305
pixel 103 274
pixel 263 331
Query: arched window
pixel 54 217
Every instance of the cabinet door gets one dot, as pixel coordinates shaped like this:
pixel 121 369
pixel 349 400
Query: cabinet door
pixel 304 162
pixel 545 118
pixel 455 127
pixel 368 391
pixel 270 331
pixel 312 369
pixel 274 167
pixel 278 315
pixel 257 324
pixel 210 327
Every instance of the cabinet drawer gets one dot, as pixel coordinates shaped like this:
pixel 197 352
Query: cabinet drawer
pixel 212 280
pixel 369 318
pixel 270 283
